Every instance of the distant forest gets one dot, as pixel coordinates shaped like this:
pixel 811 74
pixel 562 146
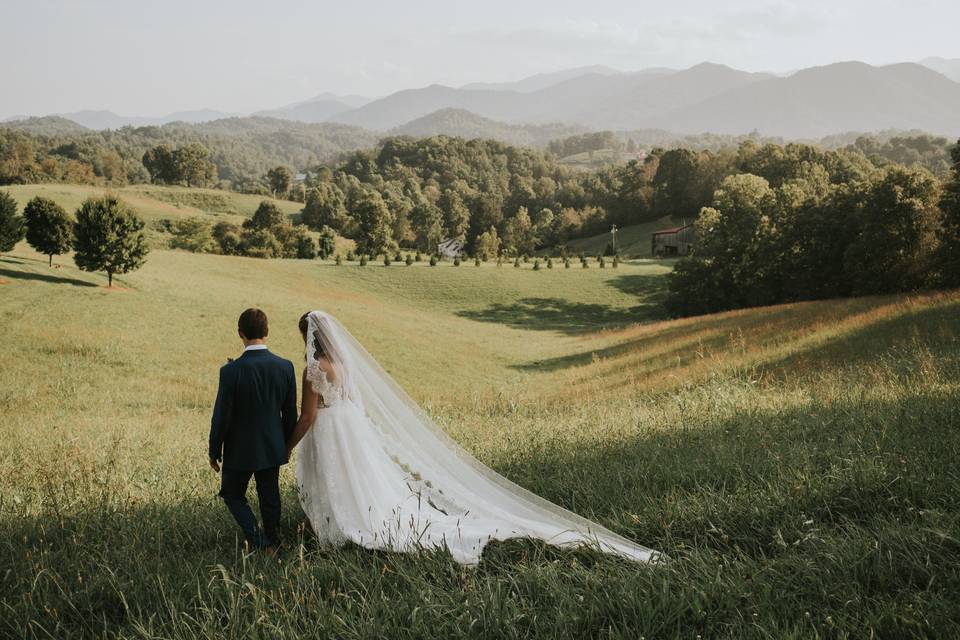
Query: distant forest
pixel 414 192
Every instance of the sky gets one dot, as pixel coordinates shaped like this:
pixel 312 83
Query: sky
pixel 152 58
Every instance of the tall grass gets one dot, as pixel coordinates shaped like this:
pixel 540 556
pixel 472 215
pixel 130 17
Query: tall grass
pixel 797 463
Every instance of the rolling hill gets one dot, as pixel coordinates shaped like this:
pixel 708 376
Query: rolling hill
pixel 463 123
pixel 44 126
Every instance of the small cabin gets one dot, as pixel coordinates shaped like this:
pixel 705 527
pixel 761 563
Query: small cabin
pixel 450 248
pixel 672 242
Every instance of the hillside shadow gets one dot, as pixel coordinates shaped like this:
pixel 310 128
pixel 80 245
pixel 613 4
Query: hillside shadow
pixel 557 314
pixel 684 338
pixel 44 277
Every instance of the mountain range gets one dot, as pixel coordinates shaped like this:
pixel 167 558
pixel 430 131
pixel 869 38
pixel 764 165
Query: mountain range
pixel 806 104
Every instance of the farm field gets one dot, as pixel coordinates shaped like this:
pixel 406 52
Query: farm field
pixel 797 463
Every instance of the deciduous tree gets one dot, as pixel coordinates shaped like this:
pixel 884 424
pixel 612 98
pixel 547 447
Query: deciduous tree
pixel 108 236
pixel 49 229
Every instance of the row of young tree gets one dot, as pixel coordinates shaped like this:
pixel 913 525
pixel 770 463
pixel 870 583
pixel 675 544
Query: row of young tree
pixel 807 229
pixel 105 235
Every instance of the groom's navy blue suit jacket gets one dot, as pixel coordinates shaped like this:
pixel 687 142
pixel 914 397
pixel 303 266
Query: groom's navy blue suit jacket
pixel 255 413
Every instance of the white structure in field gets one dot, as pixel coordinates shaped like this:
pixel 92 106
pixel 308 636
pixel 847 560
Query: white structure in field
pixel 450 248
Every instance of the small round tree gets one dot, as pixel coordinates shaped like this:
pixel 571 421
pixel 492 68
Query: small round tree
pixel 566 263
pixel 603 263
pixel 616 261
pixel 108 236
pixel 516 262
pixel 417 257
pixel 476 261
pixel 338 260
pixel 456 261
pixel 11 224
pixel 49 230
pixel 409 260
pixel 386 259
pixel 549 263
pixel 363 259
pixel 266 216
pixel 433 261
pixel 536 265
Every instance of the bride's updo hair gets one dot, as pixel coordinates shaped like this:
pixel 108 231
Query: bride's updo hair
pixel 317 343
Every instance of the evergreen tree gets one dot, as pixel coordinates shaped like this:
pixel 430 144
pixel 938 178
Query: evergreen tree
pixel 12 228
pixel 108 236
pixel 327 243
pixel 49 229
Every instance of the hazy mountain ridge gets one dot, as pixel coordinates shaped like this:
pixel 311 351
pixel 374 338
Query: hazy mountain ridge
pixel 103 119
pixel 946 66
pixel 543 80
pixel 808 104
pixel 820 101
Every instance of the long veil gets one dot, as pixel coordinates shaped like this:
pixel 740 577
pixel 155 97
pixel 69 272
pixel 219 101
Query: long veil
pixel 444 468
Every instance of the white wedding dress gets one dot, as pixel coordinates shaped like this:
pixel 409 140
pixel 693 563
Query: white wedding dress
pixel 375 470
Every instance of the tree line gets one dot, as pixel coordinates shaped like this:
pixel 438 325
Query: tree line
pixel 802 227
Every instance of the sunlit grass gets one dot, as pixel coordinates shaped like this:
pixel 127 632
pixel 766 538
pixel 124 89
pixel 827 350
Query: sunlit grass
pixel 798 463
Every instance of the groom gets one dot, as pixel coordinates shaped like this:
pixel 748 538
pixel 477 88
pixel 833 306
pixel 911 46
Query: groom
pixel 255 413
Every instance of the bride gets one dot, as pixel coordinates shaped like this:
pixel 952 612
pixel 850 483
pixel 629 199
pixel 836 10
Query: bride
pixel 374 469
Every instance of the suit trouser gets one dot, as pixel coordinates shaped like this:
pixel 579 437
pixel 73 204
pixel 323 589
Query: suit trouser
pixel 233 490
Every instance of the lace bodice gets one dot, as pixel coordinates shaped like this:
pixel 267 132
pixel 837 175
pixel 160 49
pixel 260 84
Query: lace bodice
pixel 331 393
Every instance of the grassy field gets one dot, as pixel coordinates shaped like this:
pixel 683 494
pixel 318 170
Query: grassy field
pixel 797 463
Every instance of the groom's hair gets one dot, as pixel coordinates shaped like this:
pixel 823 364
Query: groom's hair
pixel 253 324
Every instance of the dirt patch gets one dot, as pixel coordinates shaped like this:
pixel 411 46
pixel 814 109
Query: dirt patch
pixel 118 289
pixel 2 281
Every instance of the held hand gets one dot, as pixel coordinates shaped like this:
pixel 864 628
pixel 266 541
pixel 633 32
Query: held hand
pixel 214 465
